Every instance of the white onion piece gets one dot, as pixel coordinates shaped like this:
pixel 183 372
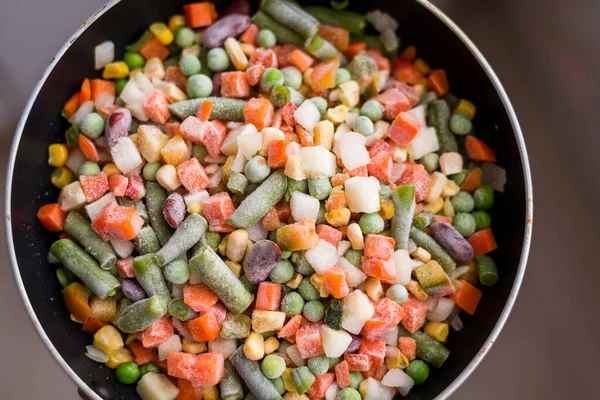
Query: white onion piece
pixel 381 20
pixel 294 355
pixel 137 111
pixel 104 54
pixel 95 354
pixel 397 171
pixel 132 93
pixel 456 323
pixel 83 110
pixel 456 272
pixel 234 125
pixel 215 178
pixel 353 152
pixel 144 83
pixel 389 39
pixel 104 101
pixel 442 310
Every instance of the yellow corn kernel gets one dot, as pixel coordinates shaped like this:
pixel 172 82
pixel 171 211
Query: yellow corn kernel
pixel 324 134
pixel 294 282
pixel 319 284
pixel 271 345
pixel 116 70
pixel 57 155
pixel 237 56
pixel 118 357
pixel 192 50
pixel 154 68
pixel 394 358
pixel 288 381
pixel 194 208
pixel 422 66
pixel 108 339
pixel 110 169
pixel 466 108
pixel 349 94
pixel 210 393
pixel 338 217
pixel 61 177
pixel 422 255
pixel 132 337
pixel 223 245
pixel 254 347
pixel 415 288
pixel 234 267
pixel 450 189
pixel 362 388
pixel 337 115
pixel 162 33
pixel 435 206
pixel 355 236
pixel 248 49
pixel 437 330
pixel 387 206
pixel 176 22
pixel 134 72
pixel 305 90
pixel 448 208
pixel 373 289
pixel 294 396
pixel 193 347
pixel 306 76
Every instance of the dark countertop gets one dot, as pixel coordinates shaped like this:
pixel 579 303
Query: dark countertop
pixel 546 55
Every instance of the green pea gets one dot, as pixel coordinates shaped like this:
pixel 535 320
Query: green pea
pixel 484 197
pixel 321 104
pixel 270 78
pixel 318 365
pixel 464 223
pixel 292 304
pixel 342 75
pixel 459 177
pixel 133 60
pixel 319 187
pixel 237 182
pixel 431 162
pixel 348 394
pixel 120 85
pixel 372 109
pixel 266 39
pixel 272 366
pixel 385 191
pixel 398 293
pixel 92 125
pixel 88 168
pixel 279 386
pixel 333 361
pixel 371 223
pixel 463 202
pixel 257 169
pixel 292 77
pixel 72 135
pixel 355 257
pixel 144 369
pixel 364 126
pixel 418 371
pixel 314 311
pixel 149 171
pixel 190 65
pixel 185 37
pixel 217 59
pixel 128 373
pixel 62 277
pixel 199 86
pixel 482 220
pixel 307 290
pixel 177 272
pixel 283 272
pixel 355 379
pixel 460 124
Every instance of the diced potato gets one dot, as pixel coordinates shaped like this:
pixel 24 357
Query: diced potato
pixel 397 378
pixel 126 155
pixel 322 257
pixel 293 167
pixel 71 197
pixel 266 321
pixel 150 141
pixel 376 391
pixel 436 186
pixel 171 345
pixel 317 161
pixel 357 309
pixel 155 386
pixel 362 194
pixel 175 151
pixel 335 342
pixel 249 144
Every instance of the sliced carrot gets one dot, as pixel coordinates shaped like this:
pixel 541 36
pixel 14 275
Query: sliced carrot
pixel 355 48
pixel 277 154
pixel 300 60
pixel 323 75
pixel 199 297
pixel 338 37
pixel 208 370
pixel 467 297
pixel 76 299
pixel 260 112
pixel 383 63
pixel 101 87
pixel 71 105
pixel 204 328
pixel 154 48
pixel 335 282
pixel 408 54
pixel 268 296
pixel 483 242
pixel 88 148
pixel 249 35
pixel 93 187
pixel 235 84
pixel 478 150
pixel 404 129
pixel 159 332
pixel 93 325
pixel 379 268
pixel 187 391
pixel 86 91
pixel 204 111
pixel 174 75
pixel 199 14
pixel 438 82
pixel 406 72
pixel 292 326
pixel 304 136
pixel 472 180
pixel 52 217
pixel 141 355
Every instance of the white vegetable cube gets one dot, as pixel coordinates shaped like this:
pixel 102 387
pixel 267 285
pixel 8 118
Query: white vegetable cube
pixel 83 110
pixel 249 144
pixel 144 83
pixel 322 257
pixel 354 276
pixel 318 161
pixel 419 114
pixel 353 151
pixel 150 141
pixel 230 146
pixel 93 209
pixel 224 346
pixel 335 342
pixel 381 129
pixel 451 163
pixel 293 148
pixel 403 266
pixel 376 391
pixel 104 54
pixel 173 345
pixel 257 231
pixel 425 141
pixel 155 386
pixel 332 391
pixel 324 134
pixel 307 115
pixel 438 180
pixel 397 378
pixel 137 111
pixel 293 167
pixel 167 177
pixel 391 336
pixel 357 309
pixel 343 247
pixel 350 94
pixel 294 355
pixel 304 206
pixel 195 198
pixel 123 248
pixel 268 135
pixel 442 310
pixel 125 155
pixel 71 197
pixel 389 39
pixel 362 194
pixel 132 93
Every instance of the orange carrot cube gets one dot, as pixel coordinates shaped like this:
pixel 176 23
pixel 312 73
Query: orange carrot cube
pixel 438 82
pixel 342 374
pixel 291 327
pixel 408 54
pixel 117 184
pixel 259 111
pixel 467 297
pixel 374 349
pixel 416 311
pixel 88 148
pixel 358 171
pixel 300 60
pixel 482 242
pixel 71 105
pixel 174 75
pixel 209 369
pixel 158 333
pixel 268 296
pixel 214 138
pixel 217 208
pixel 116 222
pixel 387 314
pixel 86 91
pixel 379 268
pixel 135 187
pixel 355 48
pixel 320 386
pixel 52 217
pixel 187 391
pixel 306 139
pixel 408 347
pixel 141 354
pixel 379 246
pixel 204 328
pixel 234 84
pixel 380 166
pixel 383 63
pixel 125 267
pixel 180 365
pixel 101 87
pixel 154 48
pixel 339 179
pixel 358 362
pixel 254 73
pixel 335 282
pixel 323 75
pixel 416 175
pixel 193 129
pixel 199 297
pixel 406 72
pixel 393 102
pixel 277 154
pixel 93 187
pixel 192 175
pixel 472 180
pixel 249 35
pixel 329 233
pixel 338 37
pixel 200 14
pixel 308 340
pixel 404 129
pixel 219 311
pixel 297 236
pixel 93 325
pixel 266 57
pixel 156 107
pixel 478 150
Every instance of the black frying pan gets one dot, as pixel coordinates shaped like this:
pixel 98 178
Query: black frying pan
pixel 438 41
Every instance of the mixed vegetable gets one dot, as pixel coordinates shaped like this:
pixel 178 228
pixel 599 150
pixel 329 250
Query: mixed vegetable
pixel 276 206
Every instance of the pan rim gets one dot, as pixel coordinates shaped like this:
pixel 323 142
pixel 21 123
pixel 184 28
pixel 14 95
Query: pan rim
pixel 459 380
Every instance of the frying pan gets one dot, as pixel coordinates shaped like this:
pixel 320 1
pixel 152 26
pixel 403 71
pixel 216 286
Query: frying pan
pixel 439 41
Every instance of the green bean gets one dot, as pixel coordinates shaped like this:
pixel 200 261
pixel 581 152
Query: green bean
pixel 80 228
pixel 303 379
pixel 80 263
pixel 323 50
pixel 281 95
pixel 291 16
pixel 284 34
pixel 188 233
pixel 423 220
pixel 259 202
pixel 488 273
pixel 223 108
pixel 62 277
pixel 146 241
pixel 351 21
pixel 142 314
pixel 404 209
pixel 437 252
pixel 231 385
pixel 428 349
pixel 438 116
pixel 135 47
pixel 150 277
pixel 251 374
pixel 219 278
pixel 178 309
pixel 155 198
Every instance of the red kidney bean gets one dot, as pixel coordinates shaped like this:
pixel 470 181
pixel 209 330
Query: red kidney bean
pixel 263 257
pixel 230 26
pixel 174 210
pixel 452 241
pixel 117 126
pixel 132 290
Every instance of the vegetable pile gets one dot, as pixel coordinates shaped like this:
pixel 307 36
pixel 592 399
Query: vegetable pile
pixel 276 206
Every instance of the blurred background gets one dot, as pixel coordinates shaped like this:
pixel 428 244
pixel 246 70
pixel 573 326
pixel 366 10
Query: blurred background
pixel 546 53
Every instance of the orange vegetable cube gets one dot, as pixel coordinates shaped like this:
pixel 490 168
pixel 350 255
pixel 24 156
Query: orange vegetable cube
pixel 342 374
pixel 217 208
pixel 393 102
pixel 438 82
pixel 93 325
pixel 339 179
pixel 219 311
pixel 141 354
pixel 323 75
pixel 329 233
pixel 335 282
pixel 482 242
pixel 116 222
pixel 214 137
pixel 408 347
pixel 135 187
pixel 76 299
pixel 358 171
pixel 174 75
pixel 204 328
pixel 406 72
pixel 277 154
pixel 268 58
pixel 308 340
pixel 358 362
pixel 383 63
pixel 254 73
pixel 387 314
pixel 268 296
pixel 297 236
pixel 88 148
pixel 379 268
pixel 52 217
pixel 408 54
pixel 291 327
pixel 158 333
pixel 235 84
pixel 199 297
pixel 193 129
pixel 416 175
pixel 320 386
pixel 338 37
pixel 71 105
pixel 200 14
pixel 173 129
pixel 156 107
pixel 117 184
pixel 93 187
pixel 467 297
pixel 416 311
pixel 187 391
pixel 209 369
pixel 125 267
pixel 355 48
pixel 259 111
pixel 306 139
pixel 250 34
pixel 154 48
pixel 192 175
pixel 472 180
pixel 379 246
pixel 376 372
pixel 478 150
pixel 180 365
pixel 300 60
pixel 374 349
pixel 86 91
pixel 380 166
